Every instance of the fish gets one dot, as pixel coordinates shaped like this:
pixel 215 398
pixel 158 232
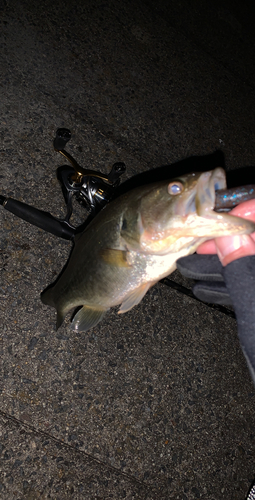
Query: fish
pixel 135 241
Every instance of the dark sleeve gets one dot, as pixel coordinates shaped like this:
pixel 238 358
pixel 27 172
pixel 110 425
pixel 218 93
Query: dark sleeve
pixel 239 277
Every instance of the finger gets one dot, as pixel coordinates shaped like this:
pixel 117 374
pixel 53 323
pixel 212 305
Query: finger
pixel 245 210
pixel 208 247
pixel 230 248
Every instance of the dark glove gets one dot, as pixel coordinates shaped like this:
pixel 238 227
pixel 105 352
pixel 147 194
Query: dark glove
pixel 233 284
pixel 208 271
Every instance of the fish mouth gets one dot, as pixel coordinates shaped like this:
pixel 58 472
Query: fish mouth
pixel 208 185
pixel 192 217
pixel 200 199
pixel 198 209
pixel 215 195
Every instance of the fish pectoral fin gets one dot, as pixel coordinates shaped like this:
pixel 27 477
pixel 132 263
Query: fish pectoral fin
pixel 115 257
pixel 134 297
pixel 86 318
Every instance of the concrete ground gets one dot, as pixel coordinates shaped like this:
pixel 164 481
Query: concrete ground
pixel 157 403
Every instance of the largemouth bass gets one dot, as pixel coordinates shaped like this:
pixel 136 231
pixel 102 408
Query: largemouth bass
pixel 135 241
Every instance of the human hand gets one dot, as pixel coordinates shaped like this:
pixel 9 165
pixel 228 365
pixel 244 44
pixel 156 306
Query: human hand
pixel 230 248
pixel 228 279
pixel 207 266
pixel 219 283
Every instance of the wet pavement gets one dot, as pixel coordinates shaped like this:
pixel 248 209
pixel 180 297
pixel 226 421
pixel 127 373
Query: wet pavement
pixel 156 403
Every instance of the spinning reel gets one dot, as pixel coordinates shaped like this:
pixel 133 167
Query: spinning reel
pixel 92 189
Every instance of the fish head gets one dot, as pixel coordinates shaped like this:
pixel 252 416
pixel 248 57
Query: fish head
pixel 181 212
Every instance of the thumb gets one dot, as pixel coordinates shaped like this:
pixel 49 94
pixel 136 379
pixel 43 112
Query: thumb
pixel 230 248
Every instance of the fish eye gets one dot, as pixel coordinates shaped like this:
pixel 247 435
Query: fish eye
pixel 175 188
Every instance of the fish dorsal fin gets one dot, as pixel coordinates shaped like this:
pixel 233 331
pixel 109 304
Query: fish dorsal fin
pixel 134 297
pixel 86 318
pixel 114 257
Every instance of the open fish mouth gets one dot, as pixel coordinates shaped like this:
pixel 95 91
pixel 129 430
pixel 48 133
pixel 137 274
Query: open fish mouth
pixel 208 184
pixel 212 194
pixel 212 186
pixel 199 193
pixel 196 211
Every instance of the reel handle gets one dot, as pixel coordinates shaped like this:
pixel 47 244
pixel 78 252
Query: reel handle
pixel 117 170
pixel 63 135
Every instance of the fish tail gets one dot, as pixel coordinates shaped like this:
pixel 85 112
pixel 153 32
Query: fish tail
pixel 87 317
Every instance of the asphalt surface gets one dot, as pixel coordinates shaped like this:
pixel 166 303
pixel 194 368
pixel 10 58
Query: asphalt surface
pixel 157 403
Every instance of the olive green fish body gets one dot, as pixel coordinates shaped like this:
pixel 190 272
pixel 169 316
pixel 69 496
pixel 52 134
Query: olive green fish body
pixel 135 241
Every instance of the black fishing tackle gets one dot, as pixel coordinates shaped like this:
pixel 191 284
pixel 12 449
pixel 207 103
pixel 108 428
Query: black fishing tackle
pixel 92 189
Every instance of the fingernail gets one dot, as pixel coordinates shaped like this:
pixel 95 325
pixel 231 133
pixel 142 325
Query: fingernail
pixel 229 244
